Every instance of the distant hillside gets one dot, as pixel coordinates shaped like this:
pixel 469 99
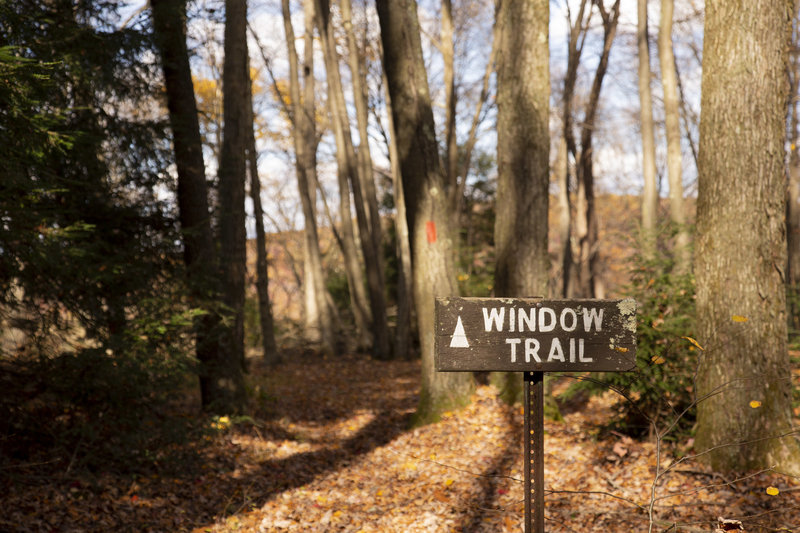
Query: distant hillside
pixel 618 218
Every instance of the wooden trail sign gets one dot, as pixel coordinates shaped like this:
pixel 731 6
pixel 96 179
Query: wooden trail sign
pixel 534 336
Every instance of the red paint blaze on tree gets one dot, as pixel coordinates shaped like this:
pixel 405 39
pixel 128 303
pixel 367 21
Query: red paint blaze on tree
pixel 430 230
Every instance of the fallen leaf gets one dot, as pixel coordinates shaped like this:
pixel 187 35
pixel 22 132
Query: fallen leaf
pixel 693 342
pixel 440 496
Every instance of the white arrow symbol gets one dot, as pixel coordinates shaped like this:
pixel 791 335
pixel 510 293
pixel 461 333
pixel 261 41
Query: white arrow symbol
pixel 459 336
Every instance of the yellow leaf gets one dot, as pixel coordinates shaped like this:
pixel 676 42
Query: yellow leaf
pixel 379 493
pixel 410 465
pixel 739 318
pixel 755 404
pixel 337 514
pixel 657 359
pixel 620 349
pixel 449 482
pixel 693 342
pixel 773 491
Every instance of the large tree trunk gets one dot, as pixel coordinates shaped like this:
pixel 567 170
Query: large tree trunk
pixel 741 305
pixel 347 159
pixel 232 174
pixel 319 328
pixel 650 192
pixel 169 27
pixel 428 213
pixel 672 117
pixel 266 322
pixel 523 155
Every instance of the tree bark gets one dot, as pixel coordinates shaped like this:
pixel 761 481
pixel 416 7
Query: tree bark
pixel 266 321
pixel 232 174
pixel 169 27
pixel 650 192
pixel 319 321
pixel 523 155
pixel 741 305
pixel 424 183
pixel 669 80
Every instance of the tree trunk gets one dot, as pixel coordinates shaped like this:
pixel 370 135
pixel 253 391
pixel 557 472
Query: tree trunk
pixel 405 304
pixel 169 27
pixel 523 156
pixel 741 305
pixel 672 117
pixel 232 174
pixel 577 37
pixel 793 185
pixel 345 170
pixel 358 68
pixel 561 169
pixel 266 322
pixel 650 192
pixel 448 60
pixel 424 183
pixel 347 159
pixel 319 321
pixel 589 284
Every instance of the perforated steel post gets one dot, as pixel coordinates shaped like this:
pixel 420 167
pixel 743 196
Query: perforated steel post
pixel 534 451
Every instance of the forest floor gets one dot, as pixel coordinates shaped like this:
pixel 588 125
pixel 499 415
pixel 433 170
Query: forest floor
pixel 328 449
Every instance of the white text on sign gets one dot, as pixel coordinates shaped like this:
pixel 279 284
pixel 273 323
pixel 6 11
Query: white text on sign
pixel 544 320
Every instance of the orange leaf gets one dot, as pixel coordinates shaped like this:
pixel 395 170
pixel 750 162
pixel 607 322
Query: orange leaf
pixel 739 318
pixel 439 495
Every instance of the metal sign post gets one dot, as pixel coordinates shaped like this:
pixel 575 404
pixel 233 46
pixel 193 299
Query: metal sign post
pixel 534 336
pixel 534 451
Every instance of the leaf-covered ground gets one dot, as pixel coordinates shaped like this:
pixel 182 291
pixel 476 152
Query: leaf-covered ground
pixel 329 450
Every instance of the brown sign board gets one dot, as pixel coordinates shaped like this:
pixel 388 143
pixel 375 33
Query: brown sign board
pixel 534 334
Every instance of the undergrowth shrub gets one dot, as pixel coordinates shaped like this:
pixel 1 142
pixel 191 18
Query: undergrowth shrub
pixel 99 404
pixel 661 389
